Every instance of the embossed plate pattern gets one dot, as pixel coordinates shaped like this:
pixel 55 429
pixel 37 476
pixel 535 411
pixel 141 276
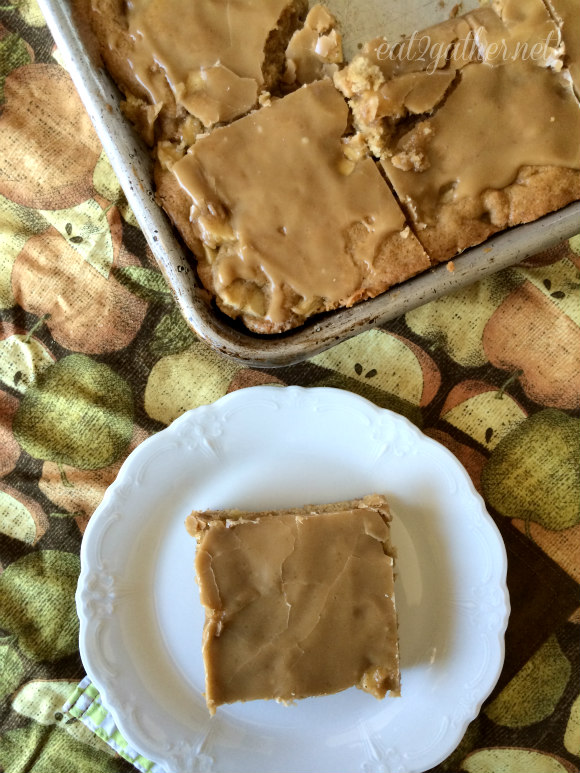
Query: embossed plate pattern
pixel 269 447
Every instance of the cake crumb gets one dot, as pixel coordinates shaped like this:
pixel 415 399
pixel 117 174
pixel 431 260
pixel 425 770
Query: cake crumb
pixel 451 266
pixel 354 147
pixel 315 51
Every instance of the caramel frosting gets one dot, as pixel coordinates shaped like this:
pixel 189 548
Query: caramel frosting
pixel 210 52
pixel 472 122
pixel 413 92
pixel 287 618
pixel 387 83
pixel 508 30
pixel 277 197
pixel 448 45
pixel 487 88
pixel 415 75
pixel 496 121
pixel 315 51
pixel 518 30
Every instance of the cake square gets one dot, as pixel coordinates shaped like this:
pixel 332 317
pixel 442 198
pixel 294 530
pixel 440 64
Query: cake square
pixel 298 602
pixel 287 214
pixel 474 136
pixel 184 66
pixel 519 116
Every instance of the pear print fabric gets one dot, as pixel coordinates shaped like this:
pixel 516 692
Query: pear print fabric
pixel 95 358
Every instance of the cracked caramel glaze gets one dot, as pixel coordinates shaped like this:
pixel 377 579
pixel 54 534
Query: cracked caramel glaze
pixel 278 204
pixel 270 283
pixel 298 603
pixel 210 51
pixel 474 133
pixel 497 120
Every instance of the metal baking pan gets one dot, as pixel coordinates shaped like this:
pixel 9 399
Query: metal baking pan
pixel 361 20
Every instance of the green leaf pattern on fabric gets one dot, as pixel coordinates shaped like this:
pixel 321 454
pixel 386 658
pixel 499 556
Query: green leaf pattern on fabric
pixel 95 357
pixel 79 412
pixel 172 335
pixel 13 54
pixel 37 603
pixel 533 694
pixel 30 12
pixel 572 734
pixel 144 282
pixel 50 749
pixel 531 470
pixel 11 666
pixel 513 761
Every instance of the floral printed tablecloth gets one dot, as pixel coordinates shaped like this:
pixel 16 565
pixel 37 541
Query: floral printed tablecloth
pixel 94 358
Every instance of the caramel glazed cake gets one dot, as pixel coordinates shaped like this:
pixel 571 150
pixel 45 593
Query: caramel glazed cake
pixel 302 184
pixel 286 618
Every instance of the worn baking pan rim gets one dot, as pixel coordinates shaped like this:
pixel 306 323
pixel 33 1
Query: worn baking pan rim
pixel 132 164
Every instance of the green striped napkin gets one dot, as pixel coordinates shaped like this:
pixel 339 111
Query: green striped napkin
pixel 85 704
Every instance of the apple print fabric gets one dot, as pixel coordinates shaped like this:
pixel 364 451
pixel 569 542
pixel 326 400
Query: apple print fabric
pixel 95 357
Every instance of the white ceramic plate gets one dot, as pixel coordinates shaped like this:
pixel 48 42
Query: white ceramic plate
pixel 270 447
